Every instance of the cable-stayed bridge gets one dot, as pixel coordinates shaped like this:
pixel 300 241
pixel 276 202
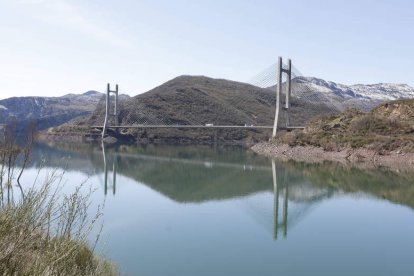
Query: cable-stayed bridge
pixel 277 98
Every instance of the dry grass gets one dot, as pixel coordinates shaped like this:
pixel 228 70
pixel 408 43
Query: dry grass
pixel 42 231
pixel 387 128
pixel 45 235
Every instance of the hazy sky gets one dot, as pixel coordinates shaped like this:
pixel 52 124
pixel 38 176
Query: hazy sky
pixel 55 47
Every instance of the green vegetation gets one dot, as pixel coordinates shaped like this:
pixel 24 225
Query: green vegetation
pixel 386 128
pixel 41 231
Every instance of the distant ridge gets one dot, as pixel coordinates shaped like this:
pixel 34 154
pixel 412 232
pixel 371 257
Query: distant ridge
pixel 362 96
pixel 49 111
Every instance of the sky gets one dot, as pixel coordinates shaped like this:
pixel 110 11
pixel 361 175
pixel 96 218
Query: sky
pixel 56 47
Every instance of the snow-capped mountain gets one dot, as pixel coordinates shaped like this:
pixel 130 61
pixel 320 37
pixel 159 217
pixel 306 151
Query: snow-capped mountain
pixel 384 91
pixel 380 91
pixel 344 96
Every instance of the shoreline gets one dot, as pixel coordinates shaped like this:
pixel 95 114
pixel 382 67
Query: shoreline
pixel 363 158
pixel 178 140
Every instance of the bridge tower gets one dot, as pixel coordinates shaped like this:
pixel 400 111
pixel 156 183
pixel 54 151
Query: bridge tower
pixel 279 87
pixel 108 113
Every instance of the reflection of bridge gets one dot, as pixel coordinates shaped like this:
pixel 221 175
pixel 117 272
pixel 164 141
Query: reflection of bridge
pixel 114 169
pixel 280 187
pixel 276 204
pixel 192 175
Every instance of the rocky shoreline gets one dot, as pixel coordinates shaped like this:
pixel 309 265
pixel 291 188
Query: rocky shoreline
pixel 364 158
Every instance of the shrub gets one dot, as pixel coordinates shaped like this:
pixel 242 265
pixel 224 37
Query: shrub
pixel 41 231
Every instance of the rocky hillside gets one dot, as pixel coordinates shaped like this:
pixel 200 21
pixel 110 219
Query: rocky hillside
pixel 387 127
pixel 49 111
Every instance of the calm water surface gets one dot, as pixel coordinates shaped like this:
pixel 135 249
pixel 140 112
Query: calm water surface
pixel 197 210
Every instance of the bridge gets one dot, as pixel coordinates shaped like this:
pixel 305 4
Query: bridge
pixel 288 99
pixel 198 126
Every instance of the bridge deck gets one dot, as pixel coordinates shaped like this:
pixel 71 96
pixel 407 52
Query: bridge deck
pixel 197 126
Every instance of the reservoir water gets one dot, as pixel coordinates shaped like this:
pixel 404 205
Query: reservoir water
pixel 201 210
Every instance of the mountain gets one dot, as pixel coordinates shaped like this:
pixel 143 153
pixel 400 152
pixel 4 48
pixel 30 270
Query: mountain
pixel 49 111
pixel 384 91
pixel 200 100
pixel 361 96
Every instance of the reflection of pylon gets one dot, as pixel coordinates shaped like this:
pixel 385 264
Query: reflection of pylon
pixel 275 201
pixel 276 204
pixel 107 112
pixel 114 167
pixel 280 71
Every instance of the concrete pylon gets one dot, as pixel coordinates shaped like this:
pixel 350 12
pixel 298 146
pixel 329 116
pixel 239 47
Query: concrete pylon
pixel 288 72
pixel 107 108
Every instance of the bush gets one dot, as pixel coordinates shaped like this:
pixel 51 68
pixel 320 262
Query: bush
pixel 41 231
pixel 42 234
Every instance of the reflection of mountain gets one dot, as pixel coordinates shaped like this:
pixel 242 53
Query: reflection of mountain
pixel 199 174
pixel 195 175
pixel 395 187
pixel 194 182
pixel 186 174
pixel 202 173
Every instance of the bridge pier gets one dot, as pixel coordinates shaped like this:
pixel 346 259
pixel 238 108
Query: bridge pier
pixel 108 114
pixel 288 71
pixel 279 87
